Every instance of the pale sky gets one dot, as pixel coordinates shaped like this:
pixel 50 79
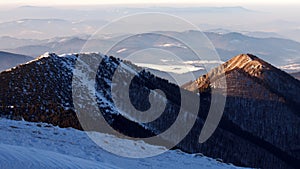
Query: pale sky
pixel 93 2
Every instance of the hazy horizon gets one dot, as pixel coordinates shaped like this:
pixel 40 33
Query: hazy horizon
pixel 93 2
pixel 38 25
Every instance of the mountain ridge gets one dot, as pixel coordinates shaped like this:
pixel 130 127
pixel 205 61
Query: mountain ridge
pixel 250 78
pixel 42 91
pixel 254 67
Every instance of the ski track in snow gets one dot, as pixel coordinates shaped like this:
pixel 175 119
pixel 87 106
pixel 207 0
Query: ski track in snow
pixel 40 145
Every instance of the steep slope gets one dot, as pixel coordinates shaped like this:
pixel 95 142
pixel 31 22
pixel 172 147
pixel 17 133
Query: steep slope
pixel 261 99
pixel 9 60
pixel 249 131
pixel 245 71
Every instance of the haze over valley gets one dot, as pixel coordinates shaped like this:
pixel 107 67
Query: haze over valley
pixel 146 85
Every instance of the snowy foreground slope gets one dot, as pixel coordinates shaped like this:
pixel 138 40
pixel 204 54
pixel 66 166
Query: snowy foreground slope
pixel 40 145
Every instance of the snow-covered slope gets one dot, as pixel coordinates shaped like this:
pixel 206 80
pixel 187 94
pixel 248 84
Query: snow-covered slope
pixel 250 130
pixel 40 145
pixel 23 157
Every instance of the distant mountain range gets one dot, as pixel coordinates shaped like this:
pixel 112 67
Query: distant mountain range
pixel 9 60
pixel 47 28
pixel 30 22
pixel 259 127
pixel 278 51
